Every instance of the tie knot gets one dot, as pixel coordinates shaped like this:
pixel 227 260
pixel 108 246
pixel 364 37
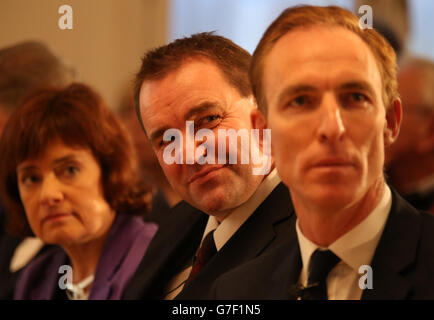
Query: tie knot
pixel 321 263
pixel 207 249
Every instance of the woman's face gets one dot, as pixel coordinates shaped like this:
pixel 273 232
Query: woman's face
pixel 63 197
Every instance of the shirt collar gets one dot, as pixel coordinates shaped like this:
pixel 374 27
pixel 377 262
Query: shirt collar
pixel 225 230
pixel 357 246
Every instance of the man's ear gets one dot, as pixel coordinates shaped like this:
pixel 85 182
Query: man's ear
pixel 258 122
pixel 426 144
pixel 393 122
pixel 258 119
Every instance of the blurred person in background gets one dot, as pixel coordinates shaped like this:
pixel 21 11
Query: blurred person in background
pixel 68 176
pixel 410 160
pixel 164 197
pixel 23 68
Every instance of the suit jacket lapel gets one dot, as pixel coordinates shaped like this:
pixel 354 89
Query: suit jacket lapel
pixel 396 250
pixel 262 227
pixel 285 277
pixel 250 240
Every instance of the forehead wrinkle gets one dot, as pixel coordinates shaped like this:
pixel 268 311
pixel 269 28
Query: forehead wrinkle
pixel 201 108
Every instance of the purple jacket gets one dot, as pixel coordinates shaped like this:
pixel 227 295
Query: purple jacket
pixel 126 244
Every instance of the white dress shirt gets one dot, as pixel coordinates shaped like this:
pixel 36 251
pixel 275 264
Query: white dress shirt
pixel 25 252
pixel 227 228
pixel 355 248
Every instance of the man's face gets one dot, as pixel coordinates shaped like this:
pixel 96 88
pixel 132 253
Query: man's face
pixel 198 92
pixel 324 94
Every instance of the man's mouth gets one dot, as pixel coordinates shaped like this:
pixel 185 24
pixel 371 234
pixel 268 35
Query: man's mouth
pixel 332 162
pixel 204 172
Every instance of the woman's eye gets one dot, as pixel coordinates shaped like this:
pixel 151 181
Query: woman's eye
pixel 70 171
pixel 29 180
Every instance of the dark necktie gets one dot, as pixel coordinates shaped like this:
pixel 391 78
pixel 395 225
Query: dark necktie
pixel 206 251
pixel 321 263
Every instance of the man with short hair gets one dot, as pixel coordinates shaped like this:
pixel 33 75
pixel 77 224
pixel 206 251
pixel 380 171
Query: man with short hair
pixel 410 165
pixel 193 86
pixel 328 91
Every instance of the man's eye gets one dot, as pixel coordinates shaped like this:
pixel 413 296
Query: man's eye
pixel 162 143
pixel 358 97
pixel 300 101
pixel 355 99
pixel 209 120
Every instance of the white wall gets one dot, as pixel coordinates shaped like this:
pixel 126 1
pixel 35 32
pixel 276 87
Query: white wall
pixel 106 43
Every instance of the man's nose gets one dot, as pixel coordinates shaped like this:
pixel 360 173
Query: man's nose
pixel 331 127
pixel 196 146
pixel 51 190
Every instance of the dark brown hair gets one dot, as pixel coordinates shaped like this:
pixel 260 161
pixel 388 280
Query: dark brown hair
pixel 78 117
pixel 308 16
pixel 230 58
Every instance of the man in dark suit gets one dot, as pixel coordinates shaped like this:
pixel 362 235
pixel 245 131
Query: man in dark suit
pixel 199 86
pixel 327 88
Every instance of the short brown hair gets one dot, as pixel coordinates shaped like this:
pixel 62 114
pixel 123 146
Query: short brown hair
pixel 79 118
pixel 308 16
pixel 230 58
pixel 27 66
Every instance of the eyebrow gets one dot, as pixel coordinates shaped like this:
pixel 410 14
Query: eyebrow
pixel 360 85
pixel 65 158
pixel 59 160
pixel 293 90
pixel 201 108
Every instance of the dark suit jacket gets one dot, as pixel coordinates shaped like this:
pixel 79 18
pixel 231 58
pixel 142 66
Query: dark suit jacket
pixel 403 263
pixel 422 201
pixel 8 245
pixel 176 242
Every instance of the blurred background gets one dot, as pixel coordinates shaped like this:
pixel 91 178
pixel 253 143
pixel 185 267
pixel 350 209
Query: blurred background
pixel 110 36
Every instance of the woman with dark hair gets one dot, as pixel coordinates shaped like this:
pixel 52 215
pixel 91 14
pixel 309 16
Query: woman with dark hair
pixel 68 176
